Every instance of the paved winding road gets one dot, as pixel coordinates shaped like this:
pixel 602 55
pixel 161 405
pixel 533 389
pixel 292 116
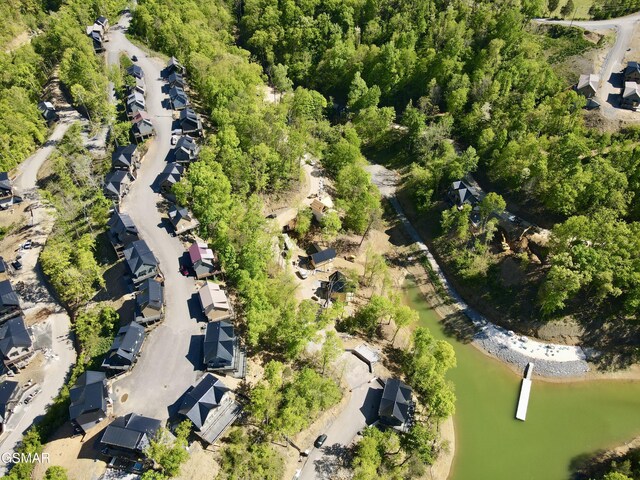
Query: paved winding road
pixel 609 88
pixel 171 354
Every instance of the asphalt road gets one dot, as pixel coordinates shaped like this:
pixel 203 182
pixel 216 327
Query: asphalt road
pixel 171 354
pixel 609 88
pixel 362 410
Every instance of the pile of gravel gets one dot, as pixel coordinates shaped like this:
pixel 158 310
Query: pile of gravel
pixel 544 368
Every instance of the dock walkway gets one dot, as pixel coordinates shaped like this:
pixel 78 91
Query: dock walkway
pixel 525 391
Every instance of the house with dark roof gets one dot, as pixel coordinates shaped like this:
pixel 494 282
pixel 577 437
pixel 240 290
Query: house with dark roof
pixel 171 175
pixel 122 231
pixel 460 193
pixel 150 302
pixel 339 288
pixel 142 125
pixel 222 353
pixel 135 71
pixel 587 85
pixel 630 96
pixel 129 436
pixel 141 261
pixel 214 301
pixel 125 348
pixel 178 98
pixel 88 400
pixel 9 398
pixel 322 257
pixel 126 158
pixel 48 112
pixel 190 122
pixel 103 22
pixel 116 185
pixel 182 220
pixel 96 38
pixel 176 80
pixel 135 103
pixel 186 150
pixel 173 66
pixel 203 260
pixel 210 407
pixel 9 301
pixel 3 269
pixel 396 405
pixel 632 72
pixel 16 346
pixel 6 188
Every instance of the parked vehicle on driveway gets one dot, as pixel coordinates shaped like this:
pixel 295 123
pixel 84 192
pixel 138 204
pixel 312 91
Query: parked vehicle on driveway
pixel 320 441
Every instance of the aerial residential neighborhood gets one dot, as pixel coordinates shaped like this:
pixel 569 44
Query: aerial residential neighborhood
pixel 309 241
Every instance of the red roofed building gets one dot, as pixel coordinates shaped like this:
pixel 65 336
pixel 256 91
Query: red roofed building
pixel 203 260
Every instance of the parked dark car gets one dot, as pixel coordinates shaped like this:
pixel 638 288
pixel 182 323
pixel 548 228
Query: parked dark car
pixel 320 441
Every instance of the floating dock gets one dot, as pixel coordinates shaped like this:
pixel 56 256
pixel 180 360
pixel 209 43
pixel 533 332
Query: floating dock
pixel 525 391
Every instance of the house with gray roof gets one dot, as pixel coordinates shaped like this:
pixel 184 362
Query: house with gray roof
pixel 135 71
pixel 322 257
pixel 142 125
pixel 150 302
pixel 190 122
pixel 96 39
pixel 588 84
pixel 171 175
pixel 9 301
pixel 138 86
pixel 460 193
pixel 48 112
pixel 186 150
pixel 103 22
pixel 135 103
pixel 126 158
pixel 214 301
pixel 129 436
pixel 125 348
pixel 141 261
pixel 632 72
pixel 396 405
pixel 173 66
pixel 6 188
pixel 116 185
pixel 222 353
pixel 339 288
pixel 176 80
pixel 182 220
pixel 9 398
pixel 630 96
pixel 178 98
pixel 210 407
pixel 16 346
pixel 88 400
pixel 122 231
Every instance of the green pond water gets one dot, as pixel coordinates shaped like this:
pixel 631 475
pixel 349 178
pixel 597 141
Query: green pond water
pixel 564 421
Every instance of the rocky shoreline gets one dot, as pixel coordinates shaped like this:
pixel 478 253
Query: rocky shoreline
pixel 543 368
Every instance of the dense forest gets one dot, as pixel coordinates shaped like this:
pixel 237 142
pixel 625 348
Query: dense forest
pixel 60 44
pixel 474 90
